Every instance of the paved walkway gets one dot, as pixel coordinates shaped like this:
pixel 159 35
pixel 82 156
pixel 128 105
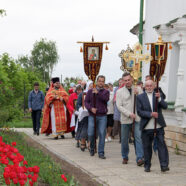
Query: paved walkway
pixel 111 171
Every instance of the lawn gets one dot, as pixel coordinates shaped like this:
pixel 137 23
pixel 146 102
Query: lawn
pixel 24 123
pixel 50 172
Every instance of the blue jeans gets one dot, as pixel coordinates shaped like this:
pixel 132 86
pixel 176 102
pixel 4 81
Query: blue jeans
pixel 101 123
pixel 125 129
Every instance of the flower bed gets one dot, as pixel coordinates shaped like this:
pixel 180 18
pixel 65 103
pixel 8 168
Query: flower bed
pixel 24 165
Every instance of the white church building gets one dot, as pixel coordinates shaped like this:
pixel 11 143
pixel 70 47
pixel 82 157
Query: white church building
pixel 168 18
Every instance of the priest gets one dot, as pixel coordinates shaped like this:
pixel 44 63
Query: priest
pixel 56 117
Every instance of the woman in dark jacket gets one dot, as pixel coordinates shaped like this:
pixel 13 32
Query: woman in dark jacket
pixel 81 133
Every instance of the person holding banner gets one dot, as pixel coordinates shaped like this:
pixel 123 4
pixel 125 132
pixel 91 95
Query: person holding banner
pixel 100 111
pixel 146 110
pixel 125 104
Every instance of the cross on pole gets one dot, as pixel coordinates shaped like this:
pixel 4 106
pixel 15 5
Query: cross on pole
pixel 136 57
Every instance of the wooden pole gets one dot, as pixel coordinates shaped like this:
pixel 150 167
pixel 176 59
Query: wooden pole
pixel 95 127
pixel 134 111
pixel 156 103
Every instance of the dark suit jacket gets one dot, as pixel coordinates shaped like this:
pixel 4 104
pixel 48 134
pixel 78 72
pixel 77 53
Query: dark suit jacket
pixel 144 109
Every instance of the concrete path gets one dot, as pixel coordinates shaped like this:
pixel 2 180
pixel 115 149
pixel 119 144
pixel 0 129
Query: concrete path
pixel 111 171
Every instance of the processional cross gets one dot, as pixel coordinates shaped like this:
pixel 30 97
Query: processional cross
pixel 134 59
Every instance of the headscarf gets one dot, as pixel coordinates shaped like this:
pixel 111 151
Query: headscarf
pixel 87 86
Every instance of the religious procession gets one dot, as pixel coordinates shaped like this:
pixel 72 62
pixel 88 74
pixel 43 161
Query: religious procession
pixel 110 110
pixel 95 110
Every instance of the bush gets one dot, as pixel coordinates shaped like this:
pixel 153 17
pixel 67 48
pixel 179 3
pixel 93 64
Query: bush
pixel 15 85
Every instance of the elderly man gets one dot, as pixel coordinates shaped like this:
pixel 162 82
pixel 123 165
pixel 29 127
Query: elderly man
pixel 125 103
pixel 146 110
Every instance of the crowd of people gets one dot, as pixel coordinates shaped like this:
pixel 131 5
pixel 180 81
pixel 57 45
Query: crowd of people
pixel 126 110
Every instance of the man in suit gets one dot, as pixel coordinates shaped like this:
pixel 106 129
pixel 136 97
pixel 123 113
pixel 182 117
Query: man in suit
pixel 145 109
pixel 148 77
pixel 125 103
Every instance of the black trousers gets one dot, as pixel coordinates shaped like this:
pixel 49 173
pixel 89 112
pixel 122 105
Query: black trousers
pixel 36 115
pixel 147 139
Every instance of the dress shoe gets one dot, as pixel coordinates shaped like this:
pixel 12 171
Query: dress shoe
pixel 77 144
pixel 101 156
pixel 147 169
pixel 91 153
pixel 164 169
pixel 125 161
pixel 56 138
pixel 131 141
pixel 62 137
pixel 140 162
pixel 37 133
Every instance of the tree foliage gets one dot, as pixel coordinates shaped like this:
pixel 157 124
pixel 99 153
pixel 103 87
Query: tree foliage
pixel 15 82
pixel 2 12
pixel 68 81
pixel 44 57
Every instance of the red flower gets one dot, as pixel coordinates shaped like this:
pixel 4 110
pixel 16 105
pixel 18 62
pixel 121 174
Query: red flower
pixel 25 169
pixel 14 172
pixel 7 169
pixel 13 175
pixel 65 179
pixel 29 176
pixel 14 143
pixel 30 169
pixel 15 180
pixel 7 181
pixel 25 162
pixel 15 150
pixel 36 169
pixel 6 175
pixel 34 178
pixel 62 176
pixel 31 183
pixel 22 182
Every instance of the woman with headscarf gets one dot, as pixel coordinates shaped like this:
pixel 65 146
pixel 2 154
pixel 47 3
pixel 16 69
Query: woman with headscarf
pixel 71 105
pixel 81 134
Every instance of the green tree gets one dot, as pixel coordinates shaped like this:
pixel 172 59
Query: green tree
pixel 2 12
pixel 44 57
pixel 68 80
pixel 15 84
pixel 25 62
pixel 116 83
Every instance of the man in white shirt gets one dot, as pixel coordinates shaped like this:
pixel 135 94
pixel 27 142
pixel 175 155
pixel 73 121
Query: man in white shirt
pixel 146 110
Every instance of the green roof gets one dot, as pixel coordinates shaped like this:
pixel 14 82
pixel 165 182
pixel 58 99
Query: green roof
pixel 170 22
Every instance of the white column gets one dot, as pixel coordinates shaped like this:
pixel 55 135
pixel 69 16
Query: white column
pixel 180 26
pixel 166 33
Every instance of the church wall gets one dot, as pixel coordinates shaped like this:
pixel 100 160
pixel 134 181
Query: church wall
pixel 172 83
pixel 160 12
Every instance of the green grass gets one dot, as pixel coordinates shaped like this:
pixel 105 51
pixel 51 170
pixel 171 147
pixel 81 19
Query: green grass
pixel 24 123
pixel 50 172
